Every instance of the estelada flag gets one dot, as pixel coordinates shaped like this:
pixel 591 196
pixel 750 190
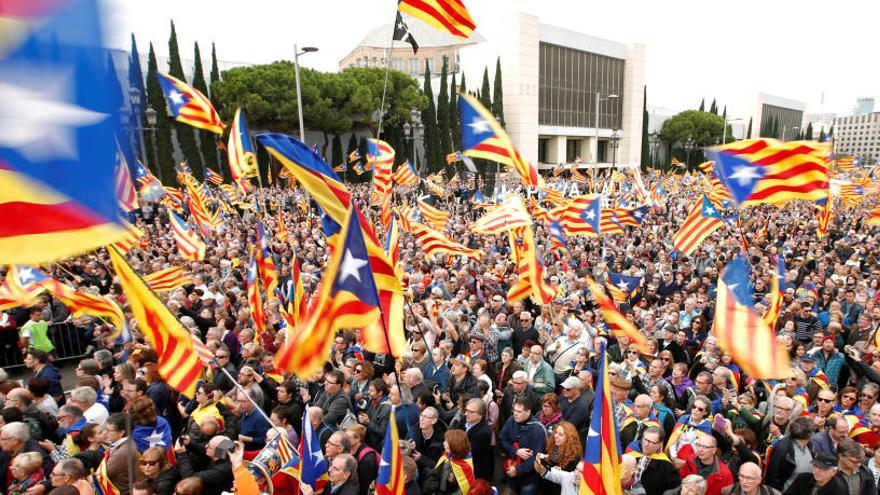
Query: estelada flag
pixel 189 105
pixel 179 364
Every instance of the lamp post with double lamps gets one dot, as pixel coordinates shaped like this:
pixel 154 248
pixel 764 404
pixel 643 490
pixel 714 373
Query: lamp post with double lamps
pixel 299 105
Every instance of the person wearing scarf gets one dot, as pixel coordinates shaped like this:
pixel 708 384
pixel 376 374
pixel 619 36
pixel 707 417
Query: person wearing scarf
pixel 454 472
pixel 654 470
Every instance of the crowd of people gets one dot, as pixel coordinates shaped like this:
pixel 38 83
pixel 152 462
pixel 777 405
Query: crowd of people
pixel 505 388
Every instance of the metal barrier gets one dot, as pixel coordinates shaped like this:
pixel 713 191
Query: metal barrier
pixel 68 341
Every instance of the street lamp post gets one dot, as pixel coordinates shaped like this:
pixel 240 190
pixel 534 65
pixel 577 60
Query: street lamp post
pixel 599 99
pixel 654 140
pixel 688 147
pixel 413 131
pixel 150 114
pixel 299 106
pixel 615 142
pixel 724 132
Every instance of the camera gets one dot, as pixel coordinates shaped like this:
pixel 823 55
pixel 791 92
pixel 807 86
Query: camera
pixel 547 463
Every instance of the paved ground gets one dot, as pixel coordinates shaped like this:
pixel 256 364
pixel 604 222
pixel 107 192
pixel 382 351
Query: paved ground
pixel 68 374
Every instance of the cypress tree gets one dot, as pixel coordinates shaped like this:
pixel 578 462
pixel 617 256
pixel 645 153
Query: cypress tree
pixel 162 157
pixel 749 131
pixel 703 105
pixel 352 145
pixel 774 128
pixel 222 160
pixel 136 81
pixel 822 135
pixel 808 135
pixel 336 154
pixel 646 153
pixel 485 95
pixel 498 95
pixel 831 133
pixel 443 113
pixel 429 119
pixel 724 114
pixel 713 108
pixel 454 124
pixel 186 137
pixel 215 70
pixel 207 140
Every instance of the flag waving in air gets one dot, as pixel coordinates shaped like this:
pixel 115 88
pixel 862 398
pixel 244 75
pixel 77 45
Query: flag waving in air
pixel 189 105
pixel 58 124
pixel 348 299
pixel 450 16
pixel 776 293
pixel 614 319
pixel 740 330
pixel 602 471
pixel 483 137
pixel 190 246
pixel 381 155
pixel 390 480
pixel 699 224
pixel 242 157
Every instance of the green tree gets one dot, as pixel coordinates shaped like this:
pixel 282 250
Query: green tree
pixel 646 153
pixel 444 136
pixel 774 128
pixel 702 105
pixel 223 159
pixel 808 134
pixel 498 94
pixel 713 108
pixel 186 136
pixel 749 131
pixel 831 133
pixel 485 94
pixel 336 157
pixel 705 128
pixel 162 157
pixel 136 81
pixel 822 135
pixel 454 129
pixel 207 140
pixel 432 133
pixel 724 113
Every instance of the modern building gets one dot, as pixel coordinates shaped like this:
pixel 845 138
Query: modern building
pixel 433 46
pixel 820 122
pixel 858 135
pixel 768 111
pixel 864 105
pixel 551 79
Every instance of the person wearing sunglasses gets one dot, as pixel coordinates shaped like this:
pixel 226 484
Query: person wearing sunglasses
pixel 154 465
pixel 690 428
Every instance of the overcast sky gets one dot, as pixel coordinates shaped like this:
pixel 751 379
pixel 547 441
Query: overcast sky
pixel 695 49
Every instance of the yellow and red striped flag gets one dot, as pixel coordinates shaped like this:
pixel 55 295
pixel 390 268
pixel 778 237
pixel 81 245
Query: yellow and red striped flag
pixel 126 194
pixel 450 16
pixel 764 170
pixel 434 216
pixel 168 279
pixel 699 224
pixel 406 175
pixel 255 300
pixel 381 155
pixel 740 330
pixel 240 151
pixel 873 217
pixel 133 236
pixel 846 163
pixel 281 229
pixel 179 364
pixel 189 105
pixel 529 268
pixel 777 290
pixel 506 216
pixel 213 177
pixel 707 167
pixel 617 323
pixel 190 246
pixel 433 242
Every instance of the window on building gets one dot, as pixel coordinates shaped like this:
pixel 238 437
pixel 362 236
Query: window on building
pixel 398 64
pixel 542 150
pixel 572 150
pixel 413 66
pixel 431 65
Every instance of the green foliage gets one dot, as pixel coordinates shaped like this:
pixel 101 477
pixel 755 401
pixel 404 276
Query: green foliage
pixel 704 128
pixel 714 107
pixel 186 136
pixel 498 94
pixel 485 95
pixel 161 159
pixel 429 118
pixel 808 134
pixel 207 140
pixel 454 128
pixel 749 131
pixel 702 105
pixel 443 121
pixel 822 135
pixel 222 164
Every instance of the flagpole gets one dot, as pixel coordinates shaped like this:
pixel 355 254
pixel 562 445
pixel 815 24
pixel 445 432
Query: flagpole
pixel 385 84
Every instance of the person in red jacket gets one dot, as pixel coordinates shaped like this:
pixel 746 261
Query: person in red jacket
pixel 709 467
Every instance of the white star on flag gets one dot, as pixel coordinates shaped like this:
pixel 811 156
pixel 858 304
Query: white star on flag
pixel 176 97
pixel 38 119
pixel 744 174
pixel 156 439
pixel 590 214
pixel 27 274
pixel 622 285
pixel 710 211
pixel 351 267
pixel 480 125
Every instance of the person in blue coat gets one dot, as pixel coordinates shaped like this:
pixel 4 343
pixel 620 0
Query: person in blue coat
pixel 522 438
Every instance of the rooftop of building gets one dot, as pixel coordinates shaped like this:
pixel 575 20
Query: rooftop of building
pixel 425 35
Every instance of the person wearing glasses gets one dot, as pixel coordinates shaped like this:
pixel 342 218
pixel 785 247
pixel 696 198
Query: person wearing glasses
pixel 207 404
pixel 223 382
pixel 775 423
pixel 826 441
pixel 70 472
pixel 154 466
pixel 689 430
pixel 706 465
pixel 749 482
pixel 653 469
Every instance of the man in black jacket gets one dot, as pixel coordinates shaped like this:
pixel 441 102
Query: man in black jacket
pixel 656 472
pixel 781 461
pixel 217 477
pixel 822 481
pixel 519 387
pixel 427 440
pixel 858 477
pixel 574 406
pixel 340 473
pixel 480 436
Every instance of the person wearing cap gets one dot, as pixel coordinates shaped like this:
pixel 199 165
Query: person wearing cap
pixel 829 360
pixel 790 456
pixel 461 381
pixel 620 388
pixel 574 405
pixel 475 348
pixel 823 479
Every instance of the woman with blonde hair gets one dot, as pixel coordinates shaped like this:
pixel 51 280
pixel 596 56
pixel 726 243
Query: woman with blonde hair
pixel 154 465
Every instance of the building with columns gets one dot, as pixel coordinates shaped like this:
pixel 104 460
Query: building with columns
pixel 551 77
